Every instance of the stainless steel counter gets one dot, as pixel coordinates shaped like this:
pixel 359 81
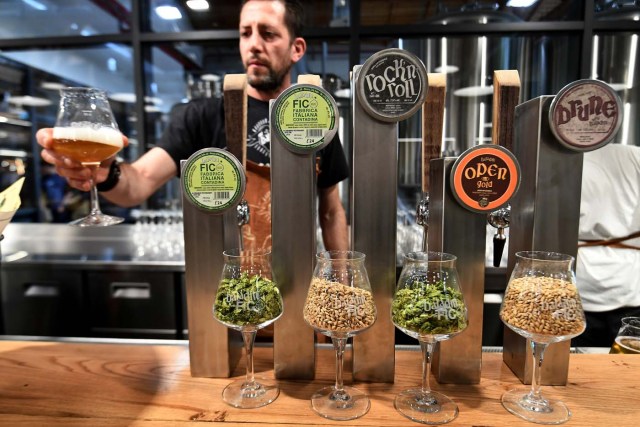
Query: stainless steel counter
pixel 118 247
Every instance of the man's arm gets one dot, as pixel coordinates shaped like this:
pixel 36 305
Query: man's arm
pixel 140 179
pixel 333 219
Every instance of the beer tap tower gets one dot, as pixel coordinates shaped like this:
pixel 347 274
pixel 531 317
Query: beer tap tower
pixel 551 134
pixel 303 119
pixel 389 87
pixel 213 183
pixel 479 181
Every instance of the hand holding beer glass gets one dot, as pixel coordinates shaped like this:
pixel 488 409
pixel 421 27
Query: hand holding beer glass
pixel 86 131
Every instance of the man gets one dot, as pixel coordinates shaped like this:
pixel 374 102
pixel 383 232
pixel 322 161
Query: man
pixel 608 262
pixel 270 44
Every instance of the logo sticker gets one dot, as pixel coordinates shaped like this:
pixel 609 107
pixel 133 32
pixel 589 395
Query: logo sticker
pixel 585 115
pixel 213 180
pixel 306 117
pixel 485 177
pixel 392 85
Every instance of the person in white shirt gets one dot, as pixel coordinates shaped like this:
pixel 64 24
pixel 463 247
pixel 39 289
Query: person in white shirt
pixel 608 262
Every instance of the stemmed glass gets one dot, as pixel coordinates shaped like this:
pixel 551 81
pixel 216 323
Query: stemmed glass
pixel 428 305
pixel 628 338
pixel 541 303
pixel 340 305
pixel 247 300
pixel 86 131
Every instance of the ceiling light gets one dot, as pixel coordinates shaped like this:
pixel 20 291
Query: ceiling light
pixel 198 4
pixel 35 4
pixel 473 91
pixel 168 13
pixel 520 3
pixel 447 69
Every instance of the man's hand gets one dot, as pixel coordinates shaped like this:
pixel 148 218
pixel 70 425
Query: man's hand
pixel 77 176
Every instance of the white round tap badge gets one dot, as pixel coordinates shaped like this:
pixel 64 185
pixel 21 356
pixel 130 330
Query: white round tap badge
pixel 213 180
pixel 305 117
pixel 585 115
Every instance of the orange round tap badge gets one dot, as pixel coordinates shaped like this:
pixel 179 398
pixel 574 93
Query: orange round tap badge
pixel 485 177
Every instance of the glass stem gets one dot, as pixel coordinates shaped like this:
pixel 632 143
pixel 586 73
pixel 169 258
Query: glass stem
pixel 95 205
pixel 538 356
pixel 339 345
pixel 427 349
pixel 249 337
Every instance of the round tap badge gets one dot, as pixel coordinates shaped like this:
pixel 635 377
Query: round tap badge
pixel 392 85
pixel 585 115
pixel 485 177
pixel 213 180
pixel 306 118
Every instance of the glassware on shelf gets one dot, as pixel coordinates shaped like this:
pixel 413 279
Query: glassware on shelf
pixel 628 339
pixel 340 305
pixel 542 304
pixel 428 305
pixel 86 131
pixel 247 300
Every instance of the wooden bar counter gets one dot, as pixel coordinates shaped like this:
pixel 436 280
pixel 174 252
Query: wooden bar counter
pixel 132 384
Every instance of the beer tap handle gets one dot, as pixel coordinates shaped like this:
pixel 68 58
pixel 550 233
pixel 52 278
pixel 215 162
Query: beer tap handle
pixel 243 214
pixel 432 130
pixel 499 219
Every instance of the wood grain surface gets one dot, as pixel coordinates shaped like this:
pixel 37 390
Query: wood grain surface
pixel 432 123
pixel 506 95
pixel 235 115
pixel 74 384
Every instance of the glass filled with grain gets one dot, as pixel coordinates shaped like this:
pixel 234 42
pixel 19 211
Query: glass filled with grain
pixel 340 305
pixel 541 303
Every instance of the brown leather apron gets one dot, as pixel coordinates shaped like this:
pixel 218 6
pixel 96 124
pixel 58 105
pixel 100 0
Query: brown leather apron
pixel 257 234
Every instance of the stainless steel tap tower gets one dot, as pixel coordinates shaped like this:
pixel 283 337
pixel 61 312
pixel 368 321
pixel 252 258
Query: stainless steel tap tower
pixel 389 87
pixel 303 119
pixel 464 190
pixel 551 134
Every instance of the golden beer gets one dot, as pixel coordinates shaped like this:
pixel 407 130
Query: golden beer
pixel 87 145
pixel 626 345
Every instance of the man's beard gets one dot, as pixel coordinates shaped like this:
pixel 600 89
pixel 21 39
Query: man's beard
pixel 270 82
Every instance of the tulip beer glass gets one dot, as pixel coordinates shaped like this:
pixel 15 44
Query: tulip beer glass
pixel 247 300
pixel 542 304
pixel 628 338
pixel 86 131
pixel 428 305
pixel 340 305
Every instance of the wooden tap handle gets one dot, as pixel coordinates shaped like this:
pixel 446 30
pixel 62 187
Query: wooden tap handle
pixel 432 123
pixel 506 94
pixel 311 79
pixel 235 115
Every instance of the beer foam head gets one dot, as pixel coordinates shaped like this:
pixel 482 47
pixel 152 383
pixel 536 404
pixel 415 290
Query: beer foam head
pixel 104 135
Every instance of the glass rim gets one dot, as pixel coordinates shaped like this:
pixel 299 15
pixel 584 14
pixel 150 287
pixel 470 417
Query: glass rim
pixel 339 255
pixel 631 321
pixel 82 89
pixel 239 253
pixel 434 256
pixel 544 256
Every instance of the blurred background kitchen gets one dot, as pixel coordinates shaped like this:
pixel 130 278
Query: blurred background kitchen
pixel 153 55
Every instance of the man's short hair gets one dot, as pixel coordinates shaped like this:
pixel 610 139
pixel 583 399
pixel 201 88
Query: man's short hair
pixel 293 16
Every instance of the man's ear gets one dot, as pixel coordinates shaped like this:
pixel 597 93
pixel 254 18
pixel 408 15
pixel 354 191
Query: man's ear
pixel 298 48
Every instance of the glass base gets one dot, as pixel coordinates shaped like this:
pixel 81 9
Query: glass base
pixel 349 404
pixel 426 408
pixel 240 394
pixel 97 220
pixel 517 402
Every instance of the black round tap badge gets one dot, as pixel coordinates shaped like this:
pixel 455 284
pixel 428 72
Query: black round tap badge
pixel 392 85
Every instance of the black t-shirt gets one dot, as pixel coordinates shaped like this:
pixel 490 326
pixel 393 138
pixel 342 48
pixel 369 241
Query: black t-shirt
pixel 200 124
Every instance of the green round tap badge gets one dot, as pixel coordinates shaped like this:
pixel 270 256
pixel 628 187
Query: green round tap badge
pixel 213 180
pixel 306 117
